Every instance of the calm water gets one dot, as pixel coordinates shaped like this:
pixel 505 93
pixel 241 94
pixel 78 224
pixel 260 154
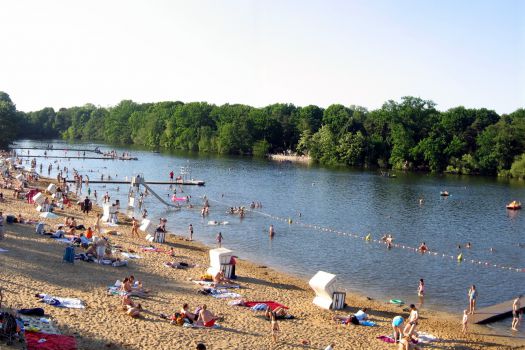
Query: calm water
pixel 352 202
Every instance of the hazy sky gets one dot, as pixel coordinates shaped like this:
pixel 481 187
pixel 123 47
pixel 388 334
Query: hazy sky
pixel 457 52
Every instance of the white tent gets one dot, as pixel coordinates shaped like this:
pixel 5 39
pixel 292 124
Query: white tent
pixel 323 284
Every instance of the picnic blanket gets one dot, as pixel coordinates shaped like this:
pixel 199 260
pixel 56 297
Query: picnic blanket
pixel 41 341
pixel 70 303
pixel 271 304
pixel 193 325
pixel 38 324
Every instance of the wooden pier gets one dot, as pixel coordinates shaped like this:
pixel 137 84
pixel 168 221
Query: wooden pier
pixel 122 182
pixel 494 312
pixel 78 157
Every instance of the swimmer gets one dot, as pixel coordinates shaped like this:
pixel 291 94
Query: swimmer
pixel 271 231
pixel 423 247
pixel 468 245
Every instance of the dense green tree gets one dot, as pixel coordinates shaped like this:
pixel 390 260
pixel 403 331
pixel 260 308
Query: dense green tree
pixel 8 120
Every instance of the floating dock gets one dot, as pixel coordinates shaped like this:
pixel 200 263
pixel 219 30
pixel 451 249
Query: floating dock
pixel 78 157
pixel 122 182
pixel 494 312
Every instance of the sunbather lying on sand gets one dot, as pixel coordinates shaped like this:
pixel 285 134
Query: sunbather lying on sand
pixel 280 312
pixel 406 344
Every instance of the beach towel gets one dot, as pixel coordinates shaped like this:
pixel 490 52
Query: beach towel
pixel 113 290
pixel 41 341
pixel 367 323
pixel 423 337
pixel 70 303
pixel 3 250
pixel 386 339
pixel 271 304
pixel 193 325
pixel 130 255
pixel 38 324
pixel 224 294
pixel 210 284
pixel 152 249
pixel 62 240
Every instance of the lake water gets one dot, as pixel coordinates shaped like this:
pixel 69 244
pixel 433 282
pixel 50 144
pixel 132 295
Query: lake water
pixel 340 203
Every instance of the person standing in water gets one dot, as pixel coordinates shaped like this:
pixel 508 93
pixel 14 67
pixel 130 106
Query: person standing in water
pixel 421 291
pixel 219 239
pixel 472 295
pixel 271 231
pixel 190 229
pixel 516 308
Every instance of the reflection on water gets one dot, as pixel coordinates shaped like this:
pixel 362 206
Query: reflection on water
pixel 348 201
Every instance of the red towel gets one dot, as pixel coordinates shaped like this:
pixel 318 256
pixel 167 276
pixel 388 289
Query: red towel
pixel 271 304
pixel 53 341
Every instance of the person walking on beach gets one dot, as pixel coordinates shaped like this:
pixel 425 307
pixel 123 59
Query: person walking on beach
pixel 274 327
pixel 464 322
pixel 1 225
pixel 516 308
pixel 421 291
pixel 412 321
pixel 190 229
pixel 472 295
pixel 219 239
pixel 134 227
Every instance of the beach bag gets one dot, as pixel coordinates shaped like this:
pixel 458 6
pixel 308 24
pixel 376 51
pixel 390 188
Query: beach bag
pixel 40 228
pixel 69 255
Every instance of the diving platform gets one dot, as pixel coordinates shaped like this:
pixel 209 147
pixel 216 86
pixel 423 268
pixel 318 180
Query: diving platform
pixel 494 312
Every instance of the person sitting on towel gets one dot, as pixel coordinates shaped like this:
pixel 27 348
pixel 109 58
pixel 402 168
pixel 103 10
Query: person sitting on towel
pixel 361 315
pixel 206 317
pixel 130 307
pixel 186 313
pixel 219 278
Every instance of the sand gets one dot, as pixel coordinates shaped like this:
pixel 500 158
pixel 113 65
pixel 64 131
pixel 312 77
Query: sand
pixel 34 264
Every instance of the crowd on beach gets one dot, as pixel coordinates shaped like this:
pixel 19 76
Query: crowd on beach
pixel 96 246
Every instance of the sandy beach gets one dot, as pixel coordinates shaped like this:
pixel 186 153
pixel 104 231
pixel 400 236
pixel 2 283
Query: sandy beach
pixel 33 264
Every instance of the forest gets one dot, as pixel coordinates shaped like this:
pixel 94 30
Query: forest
pixel 409 134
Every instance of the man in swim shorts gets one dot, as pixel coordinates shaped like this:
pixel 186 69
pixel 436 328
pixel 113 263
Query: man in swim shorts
pixel 516 307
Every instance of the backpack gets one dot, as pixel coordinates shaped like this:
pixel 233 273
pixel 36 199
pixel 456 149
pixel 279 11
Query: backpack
pixel 69 254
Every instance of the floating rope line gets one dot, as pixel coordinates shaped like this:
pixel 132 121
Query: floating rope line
pixel 368 238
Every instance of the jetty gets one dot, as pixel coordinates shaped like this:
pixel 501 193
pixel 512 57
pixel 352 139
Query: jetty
pixel 78 157
pixel 494 312
pixel 58 149
pixel 124 182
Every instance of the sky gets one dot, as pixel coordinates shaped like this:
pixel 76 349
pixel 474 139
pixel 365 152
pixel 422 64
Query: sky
pixel 354 52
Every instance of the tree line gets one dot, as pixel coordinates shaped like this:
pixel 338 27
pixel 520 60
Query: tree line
pixel 407 134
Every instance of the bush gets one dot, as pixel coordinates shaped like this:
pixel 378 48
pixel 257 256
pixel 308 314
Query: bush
pixel 517 169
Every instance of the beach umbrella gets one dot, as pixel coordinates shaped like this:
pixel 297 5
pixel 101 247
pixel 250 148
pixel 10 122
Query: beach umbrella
pixel 48 215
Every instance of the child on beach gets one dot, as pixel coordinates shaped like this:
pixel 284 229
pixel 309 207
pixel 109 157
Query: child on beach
pixel 464 322
pixel 274 327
